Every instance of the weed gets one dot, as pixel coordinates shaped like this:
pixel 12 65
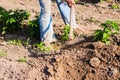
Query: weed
pixel 22 60
pixel 115 6
pixel 109 28
pixel 76 0
pixel 15 42
pixel 66 33
pixel 41 47
pixel 26 43
pixel 33 30
pixel 2 54
pixel 104 0
pixel 11 20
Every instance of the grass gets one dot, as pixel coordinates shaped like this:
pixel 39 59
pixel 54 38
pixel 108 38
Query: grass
pixel 2 54
pixel 15 42
pixel 22 60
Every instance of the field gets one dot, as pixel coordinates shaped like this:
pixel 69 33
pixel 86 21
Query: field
pixel 80 59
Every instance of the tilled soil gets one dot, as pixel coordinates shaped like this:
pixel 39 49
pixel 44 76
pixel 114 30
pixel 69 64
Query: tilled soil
pixel 83 60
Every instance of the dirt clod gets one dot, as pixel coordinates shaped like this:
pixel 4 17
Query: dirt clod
pixel 94 62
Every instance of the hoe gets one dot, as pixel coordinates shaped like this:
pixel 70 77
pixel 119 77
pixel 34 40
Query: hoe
pixel 72 9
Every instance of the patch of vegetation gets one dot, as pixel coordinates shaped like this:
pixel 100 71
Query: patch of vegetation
pixel 19 42
pixel 11 20
pixel 15 42
pixel 41 47
pixel 27 42
pixel 104 0
pixel 2 54
pixel 22 60
pixel 115 6
pixel 66 33
pixel 109 28
pixel 33 28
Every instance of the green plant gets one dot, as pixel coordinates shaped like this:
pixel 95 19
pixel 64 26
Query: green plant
pixel 115 6
pixel 11 20
pixel 22 60
pixel 33 28
pixel 15 42
pixel 2 54
pixel 109 28
pixel 26 43
pixel 66 33
pixel 102 0
pixel 76 0
pixel 41 47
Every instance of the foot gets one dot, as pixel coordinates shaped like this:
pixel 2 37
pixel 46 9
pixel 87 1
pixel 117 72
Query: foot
pixel 50 47
pixel 48 43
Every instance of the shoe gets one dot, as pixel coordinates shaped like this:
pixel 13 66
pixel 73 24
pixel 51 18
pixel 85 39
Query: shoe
pixel 48 43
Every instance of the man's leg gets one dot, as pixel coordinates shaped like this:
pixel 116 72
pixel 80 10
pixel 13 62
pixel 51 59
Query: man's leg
pixel 65 12
pixel 45 22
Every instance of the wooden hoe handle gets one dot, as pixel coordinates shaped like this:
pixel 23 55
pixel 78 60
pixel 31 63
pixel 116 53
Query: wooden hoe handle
pixel 72 9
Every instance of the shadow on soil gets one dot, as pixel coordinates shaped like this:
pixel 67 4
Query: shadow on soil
pixel 66 45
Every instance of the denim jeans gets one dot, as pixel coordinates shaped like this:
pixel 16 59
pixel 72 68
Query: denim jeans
pixel 45 18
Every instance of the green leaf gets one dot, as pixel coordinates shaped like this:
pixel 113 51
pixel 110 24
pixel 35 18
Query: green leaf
pixel 115 26
pixel 98 34
pixel 105 36
pixel 107 29
pixel 22 60
pixel 12 20
pixel 41 47
pixel 107 42
pixel 2 54
pixel 3 32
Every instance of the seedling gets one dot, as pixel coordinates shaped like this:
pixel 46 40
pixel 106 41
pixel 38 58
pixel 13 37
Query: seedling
pixel 33 28
pixel 2 54
pixel 15 42
pixel 22 60
pixel 115 6
pixel 104 0
pixel 66 33
pixel 41 47
pixel 11 20
pixel 109 28
pixel 26 43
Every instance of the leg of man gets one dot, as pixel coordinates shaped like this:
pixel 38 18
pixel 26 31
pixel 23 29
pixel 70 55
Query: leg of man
pixel 65 12
pixel 45 22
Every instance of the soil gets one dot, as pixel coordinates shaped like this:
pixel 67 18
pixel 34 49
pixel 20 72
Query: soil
pixel 84 59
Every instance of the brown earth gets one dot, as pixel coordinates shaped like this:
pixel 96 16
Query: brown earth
pixel 83 60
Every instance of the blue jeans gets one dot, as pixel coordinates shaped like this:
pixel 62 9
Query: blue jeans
pixel 45 19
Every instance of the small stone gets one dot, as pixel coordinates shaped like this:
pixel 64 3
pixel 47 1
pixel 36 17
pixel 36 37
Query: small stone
pixel 112 72
pixel 94 62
